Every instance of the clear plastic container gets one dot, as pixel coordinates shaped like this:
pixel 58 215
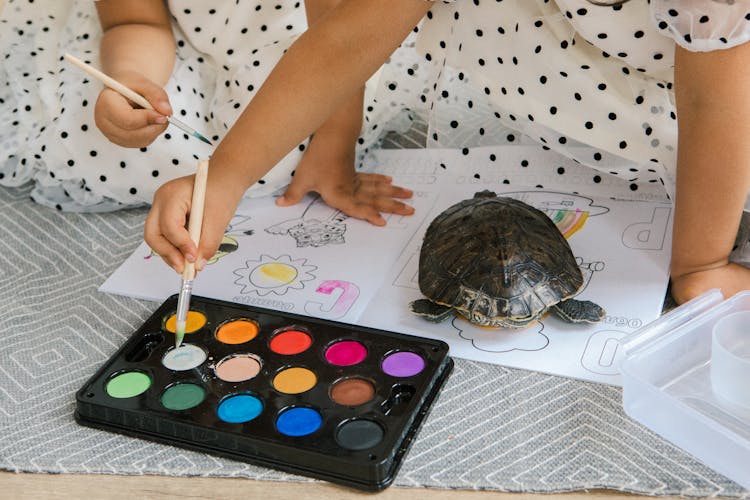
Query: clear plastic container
pixel 666 376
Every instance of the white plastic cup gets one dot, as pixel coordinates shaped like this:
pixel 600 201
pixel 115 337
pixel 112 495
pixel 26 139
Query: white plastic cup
pixel 730 359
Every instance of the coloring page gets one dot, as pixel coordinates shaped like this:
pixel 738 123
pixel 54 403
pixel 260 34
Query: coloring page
pixel 313 260
pixel 306 259
pixel 622 248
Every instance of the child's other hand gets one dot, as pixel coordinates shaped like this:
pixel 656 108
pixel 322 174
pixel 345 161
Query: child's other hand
pixel 329 171
pixel 126 124
pixel 730 278
pixel 166 231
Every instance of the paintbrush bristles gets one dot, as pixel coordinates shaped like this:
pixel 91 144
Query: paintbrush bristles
pixel 185 128
pixel 183 308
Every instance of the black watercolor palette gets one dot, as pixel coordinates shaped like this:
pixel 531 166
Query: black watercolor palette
pixel 324 399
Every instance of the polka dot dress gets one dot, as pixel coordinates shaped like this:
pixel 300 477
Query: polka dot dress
pixel 225 50
pixel 563 73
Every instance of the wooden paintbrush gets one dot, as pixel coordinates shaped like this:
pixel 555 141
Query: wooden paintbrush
pixel 194 228
pixel 130 94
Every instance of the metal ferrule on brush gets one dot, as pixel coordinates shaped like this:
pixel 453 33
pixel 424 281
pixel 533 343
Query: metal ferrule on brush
pixel 183 303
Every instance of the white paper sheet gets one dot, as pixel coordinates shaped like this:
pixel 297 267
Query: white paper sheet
pixel 312 260
pixel 307 259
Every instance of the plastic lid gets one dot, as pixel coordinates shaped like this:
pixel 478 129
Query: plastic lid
pixel 661 328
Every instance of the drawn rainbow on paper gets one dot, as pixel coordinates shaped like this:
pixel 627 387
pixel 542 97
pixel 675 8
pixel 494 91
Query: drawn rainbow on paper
pixel 568 222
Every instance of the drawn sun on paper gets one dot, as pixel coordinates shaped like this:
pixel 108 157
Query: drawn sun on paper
pixel 274 275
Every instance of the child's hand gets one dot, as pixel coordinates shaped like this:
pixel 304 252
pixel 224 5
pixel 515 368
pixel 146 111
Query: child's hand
pixel 327 168
pixel 125 124
pixel 730 278
pixel 166 231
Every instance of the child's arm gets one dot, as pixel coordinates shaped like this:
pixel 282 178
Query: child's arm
pixel 327 166
pixel 325 67
pixel 713 173
pixel 137 49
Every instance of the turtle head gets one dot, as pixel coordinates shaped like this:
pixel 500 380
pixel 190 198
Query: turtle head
pixel 485 194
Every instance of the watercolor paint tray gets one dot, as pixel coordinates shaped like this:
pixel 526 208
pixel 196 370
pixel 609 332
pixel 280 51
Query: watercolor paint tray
pixel 329 400
pixel 666 371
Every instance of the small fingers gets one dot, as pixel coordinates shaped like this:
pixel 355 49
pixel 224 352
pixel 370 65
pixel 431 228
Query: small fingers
pixel 154 94
pixel 374 218
pixel 134 139
pixel 365 177
pixel 124 125
pixel 293 194
pixel 138 119
pixel 376 191
pixel 369 206
pixel 391 206
pixel 122 114
pixel 174 231
pixel 367 213
pixel 397 192
pixel 210 240
pixel 381 185
pixel 218 211
pixel 165 232
pixel 161 245
pixel 168 252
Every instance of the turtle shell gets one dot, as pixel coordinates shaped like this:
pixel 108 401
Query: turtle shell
pixel 497 260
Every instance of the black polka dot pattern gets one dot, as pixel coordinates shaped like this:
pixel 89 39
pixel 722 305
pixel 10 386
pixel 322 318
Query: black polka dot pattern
pixel 53 141
pixel 703 25
pixel 567 74
pixel 594 83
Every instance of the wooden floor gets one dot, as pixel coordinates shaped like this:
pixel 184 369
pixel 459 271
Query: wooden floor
pixel 75 486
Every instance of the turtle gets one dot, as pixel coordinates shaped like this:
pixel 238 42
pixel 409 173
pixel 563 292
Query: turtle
pixel 499 262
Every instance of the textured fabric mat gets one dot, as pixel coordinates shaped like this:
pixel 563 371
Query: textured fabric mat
pixel 491 428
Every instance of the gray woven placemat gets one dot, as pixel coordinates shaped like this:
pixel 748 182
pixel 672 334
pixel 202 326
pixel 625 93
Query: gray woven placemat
pixel 491 428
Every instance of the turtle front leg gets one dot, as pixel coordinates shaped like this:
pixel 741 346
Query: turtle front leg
pixel 579 311
pixel 430 310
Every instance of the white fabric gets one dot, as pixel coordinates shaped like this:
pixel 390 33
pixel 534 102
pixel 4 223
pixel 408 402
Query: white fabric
pixel 560 72
pixel 704 25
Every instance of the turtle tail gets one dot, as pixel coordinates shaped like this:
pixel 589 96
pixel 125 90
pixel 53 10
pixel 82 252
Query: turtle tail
pixel 430 310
